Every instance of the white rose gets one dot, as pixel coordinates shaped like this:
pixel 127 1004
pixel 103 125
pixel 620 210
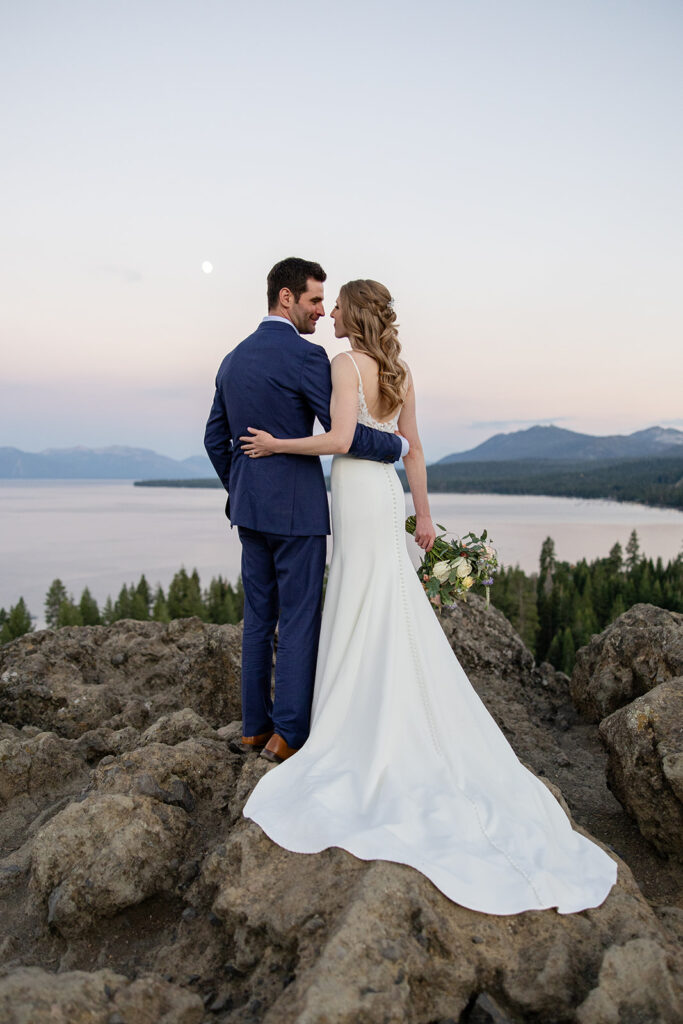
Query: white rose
pixel 463 568
pixel 441 570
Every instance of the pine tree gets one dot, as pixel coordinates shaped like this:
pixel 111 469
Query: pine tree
pixel 547 560
pixel 616 558
pixel 185 596
pixel 554 654
pixel 644 585
pixel 144 596
pixel 16 622
pixel 632 551
pixel 53 599
pixel 514 594
pixel 546 599
pixel 160 608
pixel 90 613
pixel 123 603
pixel 567 652
pixel 108 612
pixel 223 602
pixel 69 614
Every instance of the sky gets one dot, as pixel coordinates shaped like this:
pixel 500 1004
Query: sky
pixel 510 169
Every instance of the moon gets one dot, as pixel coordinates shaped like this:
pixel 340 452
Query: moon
pixel 207 267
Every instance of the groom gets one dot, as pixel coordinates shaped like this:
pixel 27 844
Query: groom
pixel 278 381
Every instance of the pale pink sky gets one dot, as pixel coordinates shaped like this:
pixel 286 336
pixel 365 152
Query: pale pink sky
pixel 511 172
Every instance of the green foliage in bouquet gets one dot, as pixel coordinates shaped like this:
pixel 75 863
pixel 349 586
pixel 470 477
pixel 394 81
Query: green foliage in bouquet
pixel 450 570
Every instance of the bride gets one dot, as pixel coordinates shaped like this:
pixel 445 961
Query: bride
pixel 403 762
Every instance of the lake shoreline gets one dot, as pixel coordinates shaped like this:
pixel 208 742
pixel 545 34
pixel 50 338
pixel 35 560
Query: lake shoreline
pixel 210 484
pixel 102 534
pixel 655 482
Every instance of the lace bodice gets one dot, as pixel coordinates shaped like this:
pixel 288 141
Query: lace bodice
pixel 364 417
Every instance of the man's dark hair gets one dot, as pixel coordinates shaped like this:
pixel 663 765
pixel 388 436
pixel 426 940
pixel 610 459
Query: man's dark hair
pixel 292 273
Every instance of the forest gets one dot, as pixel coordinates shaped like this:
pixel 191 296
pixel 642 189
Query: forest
pixel 555 610
pixel 220 602
pixel 648 481
pixel 654 481
pixel 558 609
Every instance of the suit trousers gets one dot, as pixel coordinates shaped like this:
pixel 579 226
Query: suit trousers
pixel 282 579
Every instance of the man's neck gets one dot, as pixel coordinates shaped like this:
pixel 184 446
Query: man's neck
pixel 281 313
pixel 281 319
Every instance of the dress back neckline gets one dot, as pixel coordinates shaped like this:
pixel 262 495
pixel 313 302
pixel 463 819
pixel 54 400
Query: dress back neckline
pixel 364 415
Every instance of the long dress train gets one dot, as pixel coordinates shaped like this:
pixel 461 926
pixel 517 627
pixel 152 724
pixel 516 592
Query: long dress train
pixel 403 762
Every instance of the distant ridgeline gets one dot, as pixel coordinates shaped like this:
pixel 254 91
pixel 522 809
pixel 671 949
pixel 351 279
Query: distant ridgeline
pixel 645 467
pixel 652 481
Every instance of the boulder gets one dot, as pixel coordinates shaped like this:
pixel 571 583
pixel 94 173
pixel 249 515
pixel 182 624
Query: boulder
pixel 39 772
pixel 638 651
pixel 99 856
pixel 329 937
pixel 645 767
pixel 38 767
pixel 124 842
pixel 80 679
pixel 634 984
pixel 199 768
pixel 176 727
pixel 142 886
pixel 30 995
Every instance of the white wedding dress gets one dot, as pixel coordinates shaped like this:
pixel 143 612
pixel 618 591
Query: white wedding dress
pixel 403 762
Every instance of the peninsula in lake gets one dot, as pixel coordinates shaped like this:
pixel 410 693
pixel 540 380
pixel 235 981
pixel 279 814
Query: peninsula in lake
pixel 645 467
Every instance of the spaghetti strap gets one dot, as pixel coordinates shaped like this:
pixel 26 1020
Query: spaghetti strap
pixel 360 379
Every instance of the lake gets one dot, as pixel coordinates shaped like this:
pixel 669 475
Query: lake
pixel 102 534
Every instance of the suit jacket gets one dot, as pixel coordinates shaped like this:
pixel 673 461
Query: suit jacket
pixel 277 381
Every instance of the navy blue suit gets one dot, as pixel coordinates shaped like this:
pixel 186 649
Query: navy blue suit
pixel 278 381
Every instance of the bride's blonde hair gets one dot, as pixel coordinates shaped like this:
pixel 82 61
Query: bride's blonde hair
pixel 368 312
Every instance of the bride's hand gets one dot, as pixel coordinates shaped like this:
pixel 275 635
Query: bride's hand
pixel 260 443
pixel 425 534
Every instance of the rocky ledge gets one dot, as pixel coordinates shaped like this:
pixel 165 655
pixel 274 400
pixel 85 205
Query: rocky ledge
pixel 134 892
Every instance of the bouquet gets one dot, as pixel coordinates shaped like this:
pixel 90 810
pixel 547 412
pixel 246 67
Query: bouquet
pixel 452 568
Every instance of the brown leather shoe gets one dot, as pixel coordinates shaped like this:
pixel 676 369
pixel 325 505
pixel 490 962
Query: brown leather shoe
pixel 276 750
pixel 250 743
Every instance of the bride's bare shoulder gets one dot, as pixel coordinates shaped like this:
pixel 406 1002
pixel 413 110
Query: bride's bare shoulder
pixel 363 358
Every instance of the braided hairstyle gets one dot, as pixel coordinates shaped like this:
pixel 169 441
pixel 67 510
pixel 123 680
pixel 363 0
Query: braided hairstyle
pixel 367 309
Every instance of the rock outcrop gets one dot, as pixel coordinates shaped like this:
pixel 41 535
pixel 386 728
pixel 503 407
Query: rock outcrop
pixel 133 890
pixel 98 997
pixel 645 768
pixel 630 679
pixel 638 651
pixel 82 679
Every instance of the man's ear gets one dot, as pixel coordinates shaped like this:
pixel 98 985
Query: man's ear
pixel 286 298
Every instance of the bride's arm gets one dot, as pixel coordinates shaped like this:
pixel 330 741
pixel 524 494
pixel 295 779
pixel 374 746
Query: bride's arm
pixel 416 470
pixel 336 441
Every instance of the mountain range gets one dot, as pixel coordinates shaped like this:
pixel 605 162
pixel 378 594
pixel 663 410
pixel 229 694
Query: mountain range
pixel 556 443
pixel 115 463
pixel 538 443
